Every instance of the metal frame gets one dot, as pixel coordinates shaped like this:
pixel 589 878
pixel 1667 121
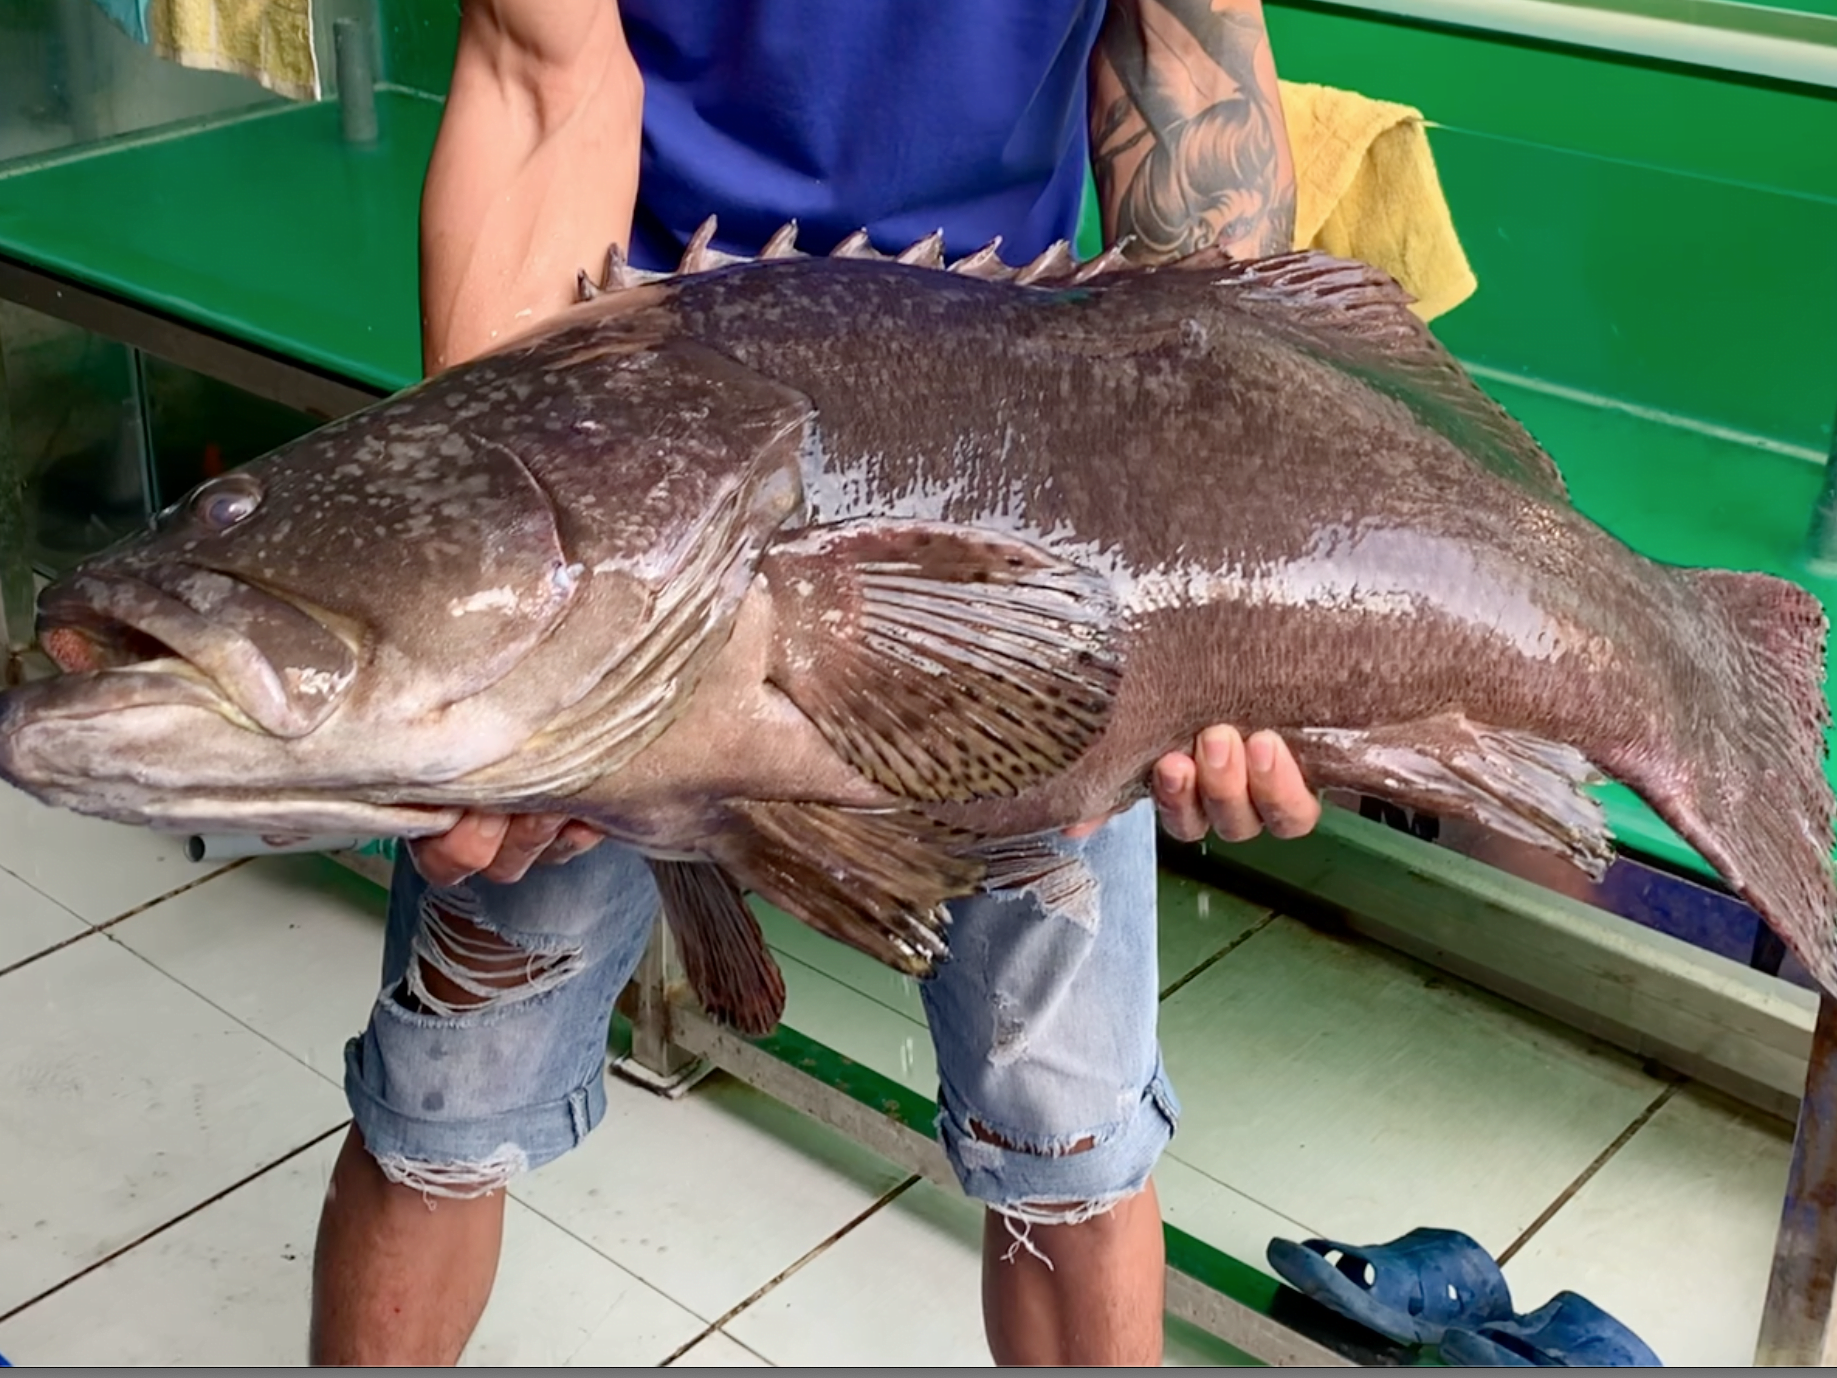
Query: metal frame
pixel 258 371
pixel 1205 1287
pixel 673 1042
pixel 1796 1328
pixel 18 589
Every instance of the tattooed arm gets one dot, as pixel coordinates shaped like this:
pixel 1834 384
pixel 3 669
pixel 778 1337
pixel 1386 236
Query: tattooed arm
pixel 1189 148
pixel 1187 138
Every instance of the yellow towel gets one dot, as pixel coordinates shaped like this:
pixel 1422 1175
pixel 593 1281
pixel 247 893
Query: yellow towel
pixel 269 41
pixel 1366 188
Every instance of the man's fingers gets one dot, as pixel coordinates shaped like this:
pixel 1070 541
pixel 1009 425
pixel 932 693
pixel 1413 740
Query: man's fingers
pixel 569 843
pixel 1223 791
pixel 1279 793
pixel 1177 798
pixel 527 838
pixel 1234 787
pixel 1230 786
pixel 466 848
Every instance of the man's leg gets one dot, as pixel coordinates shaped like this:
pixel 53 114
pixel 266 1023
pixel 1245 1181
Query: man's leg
pixel 395 1282
pixel 1100 1303
pixel 1055 1106
pixel 484 1057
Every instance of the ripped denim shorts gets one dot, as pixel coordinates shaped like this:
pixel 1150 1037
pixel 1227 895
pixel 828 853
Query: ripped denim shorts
pixel 1053 1103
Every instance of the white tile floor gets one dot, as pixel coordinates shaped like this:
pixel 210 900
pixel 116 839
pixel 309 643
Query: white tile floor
pixel 170 1052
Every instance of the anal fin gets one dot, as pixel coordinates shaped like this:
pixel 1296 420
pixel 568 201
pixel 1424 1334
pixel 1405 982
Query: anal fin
pixel 722 948
pixel 877 880
pixel 1520 785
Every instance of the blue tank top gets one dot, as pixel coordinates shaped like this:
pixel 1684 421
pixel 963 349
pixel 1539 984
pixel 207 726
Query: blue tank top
pixel 900 116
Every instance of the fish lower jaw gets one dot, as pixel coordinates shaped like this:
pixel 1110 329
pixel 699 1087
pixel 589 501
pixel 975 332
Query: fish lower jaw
pixel 254 816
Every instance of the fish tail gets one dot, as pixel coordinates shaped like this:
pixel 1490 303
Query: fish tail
pixel 1745 783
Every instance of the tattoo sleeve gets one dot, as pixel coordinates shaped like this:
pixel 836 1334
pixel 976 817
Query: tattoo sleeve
pixel 1187 139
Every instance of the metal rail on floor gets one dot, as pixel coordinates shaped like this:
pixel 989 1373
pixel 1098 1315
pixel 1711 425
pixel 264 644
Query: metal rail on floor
pixel 1205 1286
pixel 1221 1294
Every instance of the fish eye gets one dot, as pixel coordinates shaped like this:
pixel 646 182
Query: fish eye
pixel 224 505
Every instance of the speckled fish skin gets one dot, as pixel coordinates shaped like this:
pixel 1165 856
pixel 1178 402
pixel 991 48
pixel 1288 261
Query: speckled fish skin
pixel 841 580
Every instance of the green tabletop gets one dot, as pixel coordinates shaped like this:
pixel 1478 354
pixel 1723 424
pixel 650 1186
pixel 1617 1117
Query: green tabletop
pixel 267 228
pixel 270 230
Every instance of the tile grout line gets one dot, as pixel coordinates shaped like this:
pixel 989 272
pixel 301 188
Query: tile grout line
pixel 1238 1192
pixel 183 1215
pixel 892 1193
pixel 1218 956
pixel 91 929
pixel 184 889
pixel 510 1194
pixel 719 1321
pixel 9 873
pixel 709 1333
pixel 88 932
pixel 231 1015
pixel 1568 1193
pixel 748 1348
pixel 236 1019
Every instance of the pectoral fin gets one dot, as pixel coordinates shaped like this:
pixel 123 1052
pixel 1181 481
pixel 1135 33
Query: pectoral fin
pixel 943 664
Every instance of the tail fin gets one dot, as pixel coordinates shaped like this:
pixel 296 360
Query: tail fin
pixel 1754 800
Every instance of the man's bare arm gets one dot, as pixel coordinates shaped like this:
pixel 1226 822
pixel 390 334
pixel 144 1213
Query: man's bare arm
pixel 533 175
pixel 1190 149
pixel 534 172
pixel 1187 137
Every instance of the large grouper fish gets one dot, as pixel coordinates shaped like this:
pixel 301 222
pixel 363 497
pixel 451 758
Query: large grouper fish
pixel 849 580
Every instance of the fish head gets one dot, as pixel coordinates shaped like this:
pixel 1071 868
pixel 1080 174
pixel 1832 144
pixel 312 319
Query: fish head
pixel 354 630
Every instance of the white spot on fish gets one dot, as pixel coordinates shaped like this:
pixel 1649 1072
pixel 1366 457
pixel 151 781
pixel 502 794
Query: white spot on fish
pixel 486 600
pixel 316 683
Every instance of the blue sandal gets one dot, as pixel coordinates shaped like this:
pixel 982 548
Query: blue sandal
pixel 1568 1331
pixel 1410 1290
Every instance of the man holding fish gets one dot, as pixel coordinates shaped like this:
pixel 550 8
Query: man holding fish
pixel 575 123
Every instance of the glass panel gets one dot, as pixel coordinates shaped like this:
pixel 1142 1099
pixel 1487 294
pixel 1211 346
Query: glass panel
pixel 201 427
pixel 69 76
pixel 83 449
pixel 76 424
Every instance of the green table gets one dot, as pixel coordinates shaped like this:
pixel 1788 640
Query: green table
pixel 265 229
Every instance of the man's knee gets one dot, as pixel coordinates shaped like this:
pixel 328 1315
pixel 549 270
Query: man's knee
pixel 483 1057
pixel 1068 1176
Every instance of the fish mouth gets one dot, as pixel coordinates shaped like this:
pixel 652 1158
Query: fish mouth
pixel 196 636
